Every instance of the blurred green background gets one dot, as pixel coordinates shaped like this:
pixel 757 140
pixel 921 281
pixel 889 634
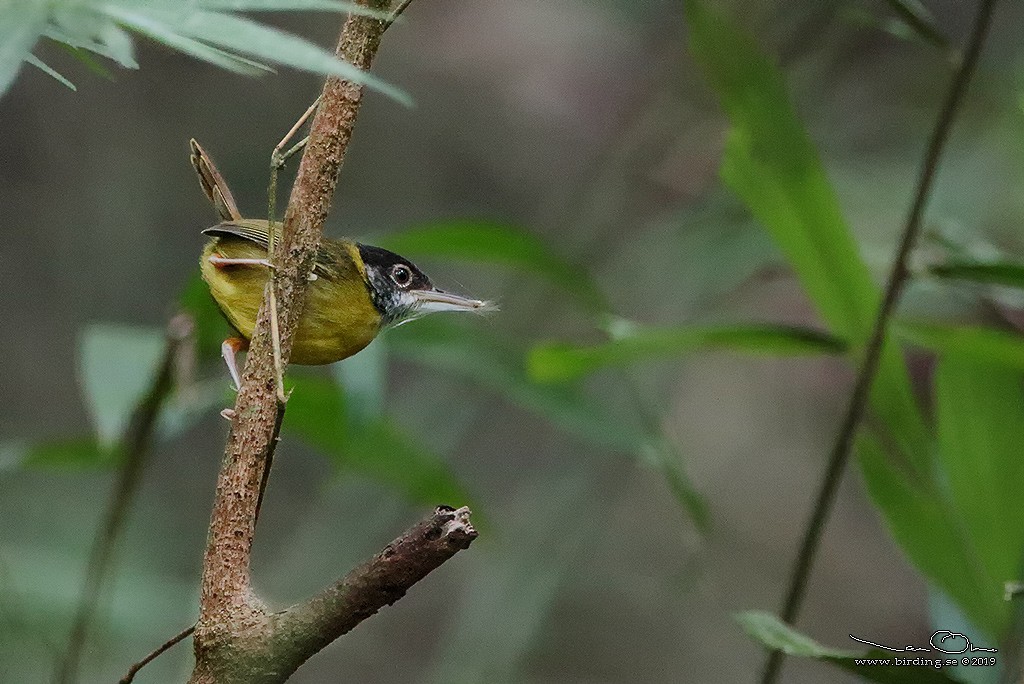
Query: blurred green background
pixel 589 126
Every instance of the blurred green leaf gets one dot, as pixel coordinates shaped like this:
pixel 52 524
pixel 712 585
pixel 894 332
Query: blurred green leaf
pixel 511 591
pixel 496 243
pixel 20 26
pixel 963 341
pixel 210 326
pixel 1006 273
pixel 363 379
pixel 483 359
pixel 555 361
pixel 195 28
pixel 980 410
pixel 665 456
pixel 920 20
pixel 76 452
pixel 161 29
pixel 776 635
pixel 116 364
pixel 292 5
pixel 927 527
pixel 49 71
pixel 471 353
pixel 377 449
pixel 88 60
pixel 772 165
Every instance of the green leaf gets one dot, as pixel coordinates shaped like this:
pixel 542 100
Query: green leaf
pixel 559 362
pixel 771 164
pixel 160 31
pixel 468 352
pixel 116 364
pixel 363 378
pixel 49 71
pixel 1006 273
pixel 21 23
pixel 240 35
pixel 776 635
pixel 664 455
pixel 496 243
pixel 87 60
pixel 471 353
pixel 293 5
pixel 920 20
pixel 980 409
pixel 377 449
pixel 966 342
pixel 927 527
pixel 77 452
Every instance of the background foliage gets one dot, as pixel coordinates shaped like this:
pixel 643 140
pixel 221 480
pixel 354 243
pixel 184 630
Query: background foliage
pixel 684 210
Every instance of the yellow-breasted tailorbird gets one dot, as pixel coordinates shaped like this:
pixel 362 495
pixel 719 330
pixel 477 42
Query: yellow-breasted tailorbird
pixel 355 291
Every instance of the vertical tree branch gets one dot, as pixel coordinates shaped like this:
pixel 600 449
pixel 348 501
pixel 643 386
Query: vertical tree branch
pixel 225 599
pixel 236 638
pixel 898 277
pixel 132 449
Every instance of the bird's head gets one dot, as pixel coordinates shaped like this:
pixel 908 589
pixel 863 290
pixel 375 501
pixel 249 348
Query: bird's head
pixel 402 292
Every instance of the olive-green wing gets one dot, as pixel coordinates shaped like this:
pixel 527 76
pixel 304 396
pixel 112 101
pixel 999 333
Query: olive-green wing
pixel 253 230
pixel 332 259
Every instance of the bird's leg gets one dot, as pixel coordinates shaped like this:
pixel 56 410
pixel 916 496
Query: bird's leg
pixel 229 350
pixel 221 262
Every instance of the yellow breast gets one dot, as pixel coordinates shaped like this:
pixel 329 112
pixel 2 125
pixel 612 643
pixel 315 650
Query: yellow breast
pixel 339 318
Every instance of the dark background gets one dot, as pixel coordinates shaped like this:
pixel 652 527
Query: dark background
pixel 587 124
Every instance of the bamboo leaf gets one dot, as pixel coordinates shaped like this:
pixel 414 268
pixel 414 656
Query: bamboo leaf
pixel 317 414
pixel 1005 273
pixel 293 5
pixel 560 362
pixel 967 342
pixel 774 634
pixel 21 23
pixel 49 71
pixel 240 35
pixel 771 164
pixel 927 527
pixel 980 409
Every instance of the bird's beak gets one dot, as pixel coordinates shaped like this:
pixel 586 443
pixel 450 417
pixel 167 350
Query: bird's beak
pixel 429 301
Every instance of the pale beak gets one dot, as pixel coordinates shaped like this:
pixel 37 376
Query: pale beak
pixel 429 301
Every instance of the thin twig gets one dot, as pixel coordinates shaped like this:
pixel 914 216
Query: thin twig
pixel 133 449
pixel 397 13
pixel 895 285
pixel 134 669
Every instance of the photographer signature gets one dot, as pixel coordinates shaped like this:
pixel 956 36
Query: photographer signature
pixel 940 637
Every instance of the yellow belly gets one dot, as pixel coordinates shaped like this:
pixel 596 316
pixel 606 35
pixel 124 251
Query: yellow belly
pixel 339 318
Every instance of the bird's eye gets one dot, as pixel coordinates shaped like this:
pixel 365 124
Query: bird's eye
pixel 401 274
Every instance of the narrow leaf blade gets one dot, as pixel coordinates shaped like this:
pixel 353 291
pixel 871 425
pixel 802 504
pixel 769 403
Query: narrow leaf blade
pixel 776 635
pixel 560 362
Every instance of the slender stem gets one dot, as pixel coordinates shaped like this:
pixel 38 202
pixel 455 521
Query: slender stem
pixel 396 13
pixel 134 669
pixel 133 449
pixel 895 285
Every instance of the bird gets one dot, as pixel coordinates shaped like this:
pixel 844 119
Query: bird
pixel 355 290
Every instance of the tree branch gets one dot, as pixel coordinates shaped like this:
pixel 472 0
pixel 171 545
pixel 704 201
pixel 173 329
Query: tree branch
pixel 236 638
pixel 898 277
pixel 305 629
